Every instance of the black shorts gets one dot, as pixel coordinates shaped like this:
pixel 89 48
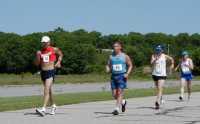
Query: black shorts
pixel 157 78
pixel 47 74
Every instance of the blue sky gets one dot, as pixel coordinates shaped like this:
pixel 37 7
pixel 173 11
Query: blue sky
pixel 106 16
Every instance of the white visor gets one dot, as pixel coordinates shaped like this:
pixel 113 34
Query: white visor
pixel 45 39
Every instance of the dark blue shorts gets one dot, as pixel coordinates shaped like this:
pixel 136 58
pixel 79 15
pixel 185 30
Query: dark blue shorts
pixel 118 81
pixel 187 77
pixel 47 74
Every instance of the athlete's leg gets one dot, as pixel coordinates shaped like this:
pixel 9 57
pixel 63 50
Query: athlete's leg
pixel 114 93
pixel 53 105
pixel 119 97
pixel 160 84
pixel 182 85
pixel 156 85
pixel 116 96
pixel 47 87
pixel 189 87
pixel 123 102
pixel 51 100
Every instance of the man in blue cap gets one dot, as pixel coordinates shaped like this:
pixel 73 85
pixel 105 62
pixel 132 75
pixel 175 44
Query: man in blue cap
pixel 159 73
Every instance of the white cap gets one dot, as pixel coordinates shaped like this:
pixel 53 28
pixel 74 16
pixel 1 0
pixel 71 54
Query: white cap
pixel 45 39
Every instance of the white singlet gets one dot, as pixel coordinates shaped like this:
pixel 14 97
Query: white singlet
pixel 185 66
pixel 159 67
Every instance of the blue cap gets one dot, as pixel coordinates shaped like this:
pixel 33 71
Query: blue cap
pixel 158 49
pixel 184 53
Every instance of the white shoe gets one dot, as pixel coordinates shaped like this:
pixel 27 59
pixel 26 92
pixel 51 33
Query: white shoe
pixel 41 112
pixel 116 111
pixel 189 98
pixel 53 110
pixel 162 101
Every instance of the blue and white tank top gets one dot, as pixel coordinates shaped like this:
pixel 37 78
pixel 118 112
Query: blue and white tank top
pixel 118 63
pixel 185 66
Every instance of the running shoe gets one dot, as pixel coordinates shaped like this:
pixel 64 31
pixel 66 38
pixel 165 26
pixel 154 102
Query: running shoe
pixel 162 101
pixel 181 98
pixel 41 112
pixel 116 111
pixel 124 106
pixel 53 109
pixel 189 97
pixel 157 106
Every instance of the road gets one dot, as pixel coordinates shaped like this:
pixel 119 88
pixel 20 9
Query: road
pixel 140 111
pixel 29 90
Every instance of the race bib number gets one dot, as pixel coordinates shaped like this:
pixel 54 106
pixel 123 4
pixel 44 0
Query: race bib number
pixel 117 67
pixel 185 70
pixel 45 58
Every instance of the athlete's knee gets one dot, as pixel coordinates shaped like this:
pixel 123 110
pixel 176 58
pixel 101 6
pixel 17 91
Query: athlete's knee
pixel 50 90
pixel 114 94
pixel 156 84
pixel 47 90
pixel 119 92
pixel 189 87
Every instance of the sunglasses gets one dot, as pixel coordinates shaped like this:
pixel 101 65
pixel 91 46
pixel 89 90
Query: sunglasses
pixel 116 46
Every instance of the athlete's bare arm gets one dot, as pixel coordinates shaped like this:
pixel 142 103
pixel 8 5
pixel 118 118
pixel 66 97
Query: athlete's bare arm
pixel 191 65
pixel 130 66
pixel 153 59
pixel 177 67
pixel 60 56
pixel 108 66
pixel 37 60
pixel 171 60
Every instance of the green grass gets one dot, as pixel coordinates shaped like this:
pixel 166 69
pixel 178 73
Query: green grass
pixel 16 103
pixel 28 79
pixel 12 79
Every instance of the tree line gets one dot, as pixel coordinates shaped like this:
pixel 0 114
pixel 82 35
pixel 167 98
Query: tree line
pixel 83 50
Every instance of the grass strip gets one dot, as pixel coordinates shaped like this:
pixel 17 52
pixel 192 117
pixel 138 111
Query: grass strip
pixel 17 103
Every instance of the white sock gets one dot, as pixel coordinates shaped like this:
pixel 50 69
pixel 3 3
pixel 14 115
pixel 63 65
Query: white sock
pixel 117 108
pixel 43 109
pixel 123 101
pixel 182 92
pixel 54 105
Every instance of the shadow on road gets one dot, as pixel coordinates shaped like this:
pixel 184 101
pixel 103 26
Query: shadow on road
pixel 173 100
pixel 35 114
pixel 31 113
pixel 192 122
pixel 167 111
pixel 106 114
pixel 145 107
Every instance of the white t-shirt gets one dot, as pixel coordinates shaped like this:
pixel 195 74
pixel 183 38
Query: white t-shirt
pixel 159 67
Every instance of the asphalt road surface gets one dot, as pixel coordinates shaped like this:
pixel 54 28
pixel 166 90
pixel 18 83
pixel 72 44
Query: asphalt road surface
pixel 29 90
pixel 140 111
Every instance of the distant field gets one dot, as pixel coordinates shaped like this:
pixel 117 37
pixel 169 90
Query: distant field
pixel 12 79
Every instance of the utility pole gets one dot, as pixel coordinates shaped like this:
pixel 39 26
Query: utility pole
pixel 168 49
pixel 170 70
